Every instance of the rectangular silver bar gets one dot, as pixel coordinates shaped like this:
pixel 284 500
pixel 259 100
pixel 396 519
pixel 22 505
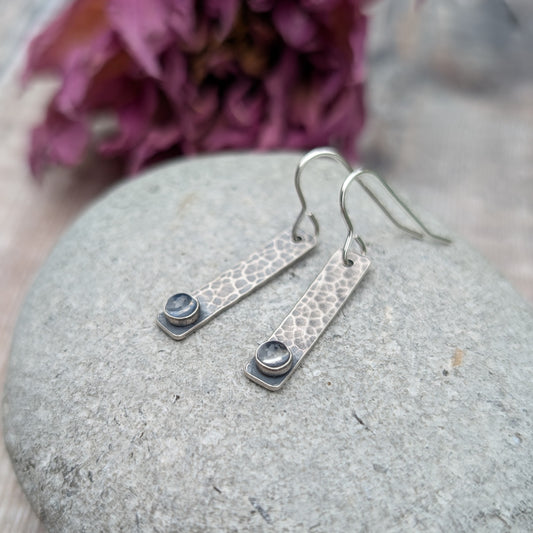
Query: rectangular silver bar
pixel 312 314
pixel 239 281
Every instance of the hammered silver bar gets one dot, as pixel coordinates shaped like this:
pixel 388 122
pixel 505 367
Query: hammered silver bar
pixel 239 281
pixel 312 314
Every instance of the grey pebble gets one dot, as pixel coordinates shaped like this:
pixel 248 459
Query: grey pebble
pixel 413 410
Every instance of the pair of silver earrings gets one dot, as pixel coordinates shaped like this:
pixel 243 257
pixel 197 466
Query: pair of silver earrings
pixel 278 358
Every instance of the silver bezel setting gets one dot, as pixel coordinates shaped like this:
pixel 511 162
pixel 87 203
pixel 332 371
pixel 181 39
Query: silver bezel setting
pixel 270 370
pixel 186 320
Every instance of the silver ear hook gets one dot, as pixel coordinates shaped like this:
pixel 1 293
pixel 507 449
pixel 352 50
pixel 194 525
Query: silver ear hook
pixel 331 153
pixel 317 153
pixel 354 175
pixel 362 172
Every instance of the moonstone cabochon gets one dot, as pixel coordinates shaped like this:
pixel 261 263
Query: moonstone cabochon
pixel 413 410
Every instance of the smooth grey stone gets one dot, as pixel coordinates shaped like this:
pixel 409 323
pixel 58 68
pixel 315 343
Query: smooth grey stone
pixel 412 411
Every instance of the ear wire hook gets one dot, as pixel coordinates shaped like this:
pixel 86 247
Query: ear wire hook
pixel 331 153
pixel 316 153
pixel 362 172
pixel 354 175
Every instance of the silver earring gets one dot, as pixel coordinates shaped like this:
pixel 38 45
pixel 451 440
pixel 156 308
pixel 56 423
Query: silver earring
pixel 184 313
pixel 359 175
pixel 278 358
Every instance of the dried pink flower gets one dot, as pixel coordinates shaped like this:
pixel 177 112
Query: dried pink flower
pixel 187 76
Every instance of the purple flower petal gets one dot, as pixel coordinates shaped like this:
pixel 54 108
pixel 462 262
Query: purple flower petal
pixel 143 27
pixel 190 32
pixel 80 68
pixel 75 26
pixel 224 136
pixel 58 140
pixel 319 5
pixel 200 107
pixel 157 140
pixel 222 64
pixel 277 86
pixel 174 75
pixel 261 6
pixel 133 123
pixel 305 111
pixel 295 25
pixel 242 107
pixel 224 12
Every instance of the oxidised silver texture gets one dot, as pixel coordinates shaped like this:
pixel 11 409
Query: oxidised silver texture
pixel 312 314
pixel 182 309
pixel 273 358
pixel 239 281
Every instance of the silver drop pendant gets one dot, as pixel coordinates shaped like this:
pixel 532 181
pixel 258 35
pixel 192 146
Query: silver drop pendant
pixel 185 313
pixel 278 358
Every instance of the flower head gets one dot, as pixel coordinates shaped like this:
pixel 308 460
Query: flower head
pixel 188 76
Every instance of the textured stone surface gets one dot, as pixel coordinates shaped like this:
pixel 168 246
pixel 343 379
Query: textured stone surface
pixel 412 411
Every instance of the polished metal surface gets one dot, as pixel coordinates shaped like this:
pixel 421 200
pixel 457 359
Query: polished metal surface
pixel 239 281
pixel 312 314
